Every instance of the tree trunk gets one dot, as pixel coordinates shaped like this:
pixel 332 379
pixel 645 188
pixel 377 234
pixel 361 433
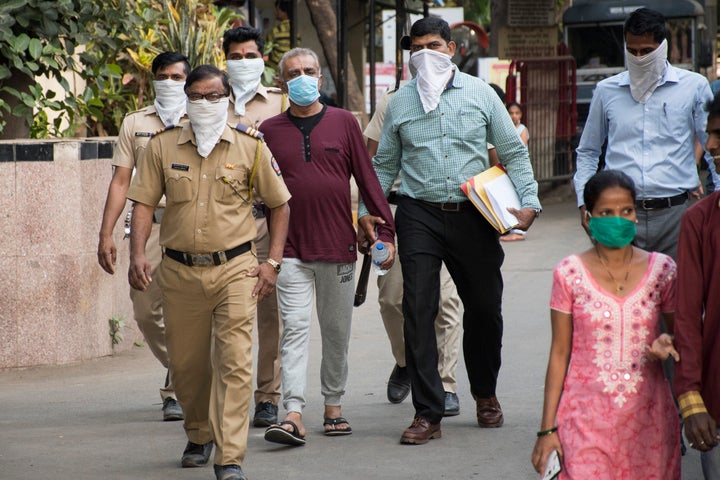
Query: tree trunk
pixel 325 22
pixel 15 127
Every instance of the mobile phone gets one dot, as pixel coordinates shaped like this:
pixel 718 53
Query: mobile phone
pixel 552 467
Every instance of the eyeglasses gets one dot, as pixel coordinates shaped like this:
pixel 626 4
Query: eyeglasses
pixel 210 97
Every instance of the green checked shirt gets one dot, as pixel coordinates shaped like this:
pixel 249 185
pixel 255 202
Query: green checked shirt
pixel 441 150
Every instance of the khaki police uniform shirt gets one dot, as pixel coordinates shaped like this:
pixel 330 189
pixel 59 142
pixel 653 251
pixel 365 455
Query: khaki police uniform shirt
pixel 266 103
pixel 135 132
pixel 208 203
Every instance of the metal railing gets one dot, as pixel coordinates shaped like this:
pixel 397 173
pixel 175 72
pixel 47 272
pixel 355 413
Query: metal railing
pixel 546 88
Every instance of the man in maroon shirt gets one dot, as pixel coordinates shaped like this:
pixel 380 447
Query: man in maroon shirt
pixel 318 148
pixel 697 317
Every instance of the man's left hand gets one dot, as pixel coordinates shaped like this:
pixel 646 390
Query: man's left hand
pixel 525 216
pixel 267 276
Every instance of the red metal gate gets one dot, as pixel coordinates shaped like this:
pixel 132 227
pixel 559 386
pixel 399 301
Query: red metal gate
pixel 546 88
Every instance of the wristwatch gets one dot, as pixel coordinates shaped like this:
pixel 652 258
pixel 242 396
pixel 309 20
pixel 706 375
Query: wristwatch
pixel 274 264
pixel 537 212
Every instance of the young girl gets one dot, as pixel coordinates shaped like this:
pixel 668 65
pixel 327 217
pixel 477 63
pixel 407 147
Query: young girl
pixel 515 111
pixel 608 410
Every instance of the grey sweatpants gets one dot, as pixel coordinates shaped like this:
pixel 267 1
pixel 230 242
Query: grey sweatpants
pixel 333 286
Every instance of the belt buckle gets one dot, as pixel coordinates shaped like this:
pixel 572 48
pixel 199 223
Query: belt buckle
pixel 450 207
pixel 644 205
pixel 201 260
pixel 222 256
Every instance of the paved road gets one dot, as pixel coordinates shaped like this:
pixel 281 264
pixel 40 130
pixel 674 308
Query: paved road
pixel 101 419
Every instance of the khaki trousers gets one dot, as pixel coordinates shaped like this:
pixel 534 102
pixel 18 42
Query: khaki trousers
pixel 269 329
pixel 447 322
pixel 147 308
pixel 209 313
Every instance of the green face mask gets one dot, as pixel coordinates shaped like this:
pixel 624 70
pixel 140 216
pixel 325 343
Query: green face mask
pixel 613 232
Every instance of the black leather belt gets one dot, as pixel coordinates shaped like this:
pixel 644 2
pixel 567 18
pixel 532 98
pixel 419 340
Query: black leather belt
pixel 660 203
pixel 258 210
pixel 449 207
pixel 207 259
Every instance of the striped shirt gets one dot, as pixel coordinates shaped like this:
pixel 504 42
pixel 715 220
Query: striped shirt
pixel 280 39
pixel 441 150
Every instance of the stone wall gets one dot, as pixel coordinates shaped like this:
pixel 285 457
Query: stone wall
pixel 55 300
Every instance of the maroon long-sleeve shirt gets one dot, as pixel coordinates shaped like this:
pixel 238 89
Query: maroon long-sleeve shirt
pixel 697 316
pixel 318 177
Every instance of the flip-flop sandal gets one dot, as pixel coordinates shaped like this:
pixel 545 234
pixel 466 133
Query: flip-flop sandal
pixel 277 434
pixel 334 422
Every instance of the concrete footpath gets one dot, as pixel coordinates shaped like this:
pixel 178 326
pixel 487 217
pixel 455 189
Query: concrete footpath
pixel 102 419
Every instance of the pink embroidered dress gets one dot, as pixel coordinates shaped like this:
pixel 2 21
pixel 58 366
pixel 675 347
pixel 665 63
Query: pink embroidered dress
pixel 616 418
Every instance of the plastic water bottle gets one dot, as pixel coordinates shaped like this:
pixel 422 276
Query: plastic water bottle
pixel 379 255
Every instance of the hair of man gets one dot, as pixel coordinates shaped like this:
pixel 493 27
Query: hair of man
pixel 169 58
pixel 283 5
pixel 429 26
pixel 241 35
pixel 296 52
pixel 645 21
pixel 204 72
pixel 713 107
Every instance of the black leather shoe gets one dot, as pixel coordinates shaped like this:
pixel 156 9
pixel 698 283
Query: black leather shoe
pixel 266 414
pixel 196 454
pixel 452 405
pixel 229 472
pixel 398 386
pixel 171 410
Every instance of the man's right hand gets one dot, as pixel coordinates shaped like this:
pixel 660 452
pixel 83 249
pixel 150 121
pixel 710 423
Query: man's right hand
pixel 139 273
pixel 366 231
pixel 107 254
pixel 701 431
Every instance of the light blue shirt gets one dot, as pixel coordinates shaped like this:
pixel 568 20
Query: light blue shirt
pixel 654 143
pixel 441 150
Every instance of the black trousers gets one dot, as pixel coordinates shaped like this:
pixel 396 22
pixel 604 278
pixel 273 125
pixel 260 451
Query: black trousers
pixel 469 246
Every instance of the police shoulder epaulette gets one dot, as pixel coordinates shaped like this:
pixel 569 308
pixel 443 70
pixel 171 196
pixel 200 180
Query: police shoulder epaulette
pixel 167 128
pixel 253 132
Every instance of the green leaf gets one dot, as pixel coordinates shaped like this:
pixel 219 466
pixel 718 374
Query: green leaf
pixel 4 72
pixel 21 43
pixel 21 110
pixel 35 48
pixel 9 5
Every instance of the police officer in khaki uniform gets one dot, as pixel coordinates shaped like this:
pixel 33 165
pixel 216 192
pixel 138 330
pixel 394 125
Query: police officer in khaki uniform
pixel 250 104
pixel 169 71
pixel 210 277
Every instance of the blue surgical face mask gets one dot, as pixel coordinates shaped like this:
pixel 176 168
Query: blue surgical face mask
pixel 303 90
pixel 613 232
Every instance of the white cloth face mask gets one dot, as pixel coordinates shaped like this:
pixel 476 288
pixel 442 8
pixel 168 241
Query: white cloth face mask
pixel 208 122
pixel 245 76
pixel 169 100
pixel 646 72
pixel 434 70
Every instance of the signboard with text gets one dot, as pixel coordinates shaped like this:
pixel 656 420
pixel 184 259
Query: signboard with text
pixel 527 13
pixel 516 42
